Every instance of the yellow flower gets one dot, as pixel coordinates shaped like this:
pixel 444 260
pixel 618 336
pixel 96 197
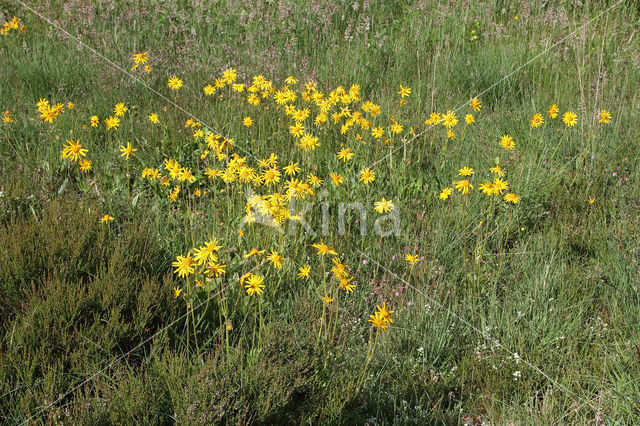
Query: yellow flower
pixel 120 109
pixel 465 171
pixel 73 151
pixel 254 285
pixel 176 292
pixel 326 299
pixel 570 118
pixel 247 122
pixel 449 119
pixel 275 260
pixel 475 104
pixel 537 120
pixel 404 91
pixel 512 198
pixel 215 269
pixel 446 193
pixel 345 154
pixel 184 266
pixel 367 176
pixel 592 200
pixel 507 142
pixel 153 118
pixel 85 165
pixel 500 185
pixel 127 151
pixel 253 252
pixel 496 171
pixel 463 186
pixel 336 178
pixel 553 111
pixel 291 169
pixel 377 132
pixel 412 258
pixel 383 206
pixel 303 271
pixel 106 219
pixel 112 123
pixel 469 119
pixel 605 117
pixel 94 121
pixel 174 83
pixel 323 249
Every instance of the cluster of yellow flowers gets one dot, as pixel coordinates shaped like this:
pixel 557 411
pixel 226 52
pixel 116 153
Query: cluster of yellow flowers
pixel 75 153
pixel 497 187
pixel 141 59
pixel 50 112
pixel 381 319
pixel 13 24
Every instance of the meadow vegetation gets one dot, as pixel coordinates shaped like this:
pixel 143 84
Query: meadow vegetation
pixel 362 212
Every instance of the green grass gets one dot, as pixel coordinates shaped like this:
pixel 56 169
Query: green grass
pixel 90 331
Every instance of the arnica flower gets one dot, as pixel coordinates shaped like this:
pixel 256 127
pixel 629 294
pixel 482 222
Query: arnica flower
pixel 605 117
pixel 512 198
pixel 434 118
pixel 85 165
pixel 303 271
pixel 73 151
pixel 367 176
pixel 537 120
pixel 253 252
pixel 465 171
pixel 247 122
pixel 275 260
pixel 553 111
pixel 487 188
pixel 112 123
pixel 496 171
pixel 378 322
pixel 345 284
pixel 174 83
pixel 377 132
pixel 184 266
pixel 153 118
pixel 106 219
pixel 507 142
pixel 570 118
pixel 292 169
pixel 120 109
pixel 463 186
pixel 404 91
pixel 215 269
pixel 127 151
pixel 326 299
pixel 336 179
pixel 449 119
pixel 500 185
pixel 176 292
pixel 412 258
pixel 345 154
pixel 469 119
pixel 323 249
pixel 254 285
pixel 207 252
pixel 475 104
pixel 445 193
pixel 383 206
pixel 94 121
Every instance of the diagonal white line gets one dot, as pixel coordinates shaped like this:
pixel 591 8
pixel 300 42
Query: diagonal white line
pixel 124 71
pixel 467 323
pixel 503 79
